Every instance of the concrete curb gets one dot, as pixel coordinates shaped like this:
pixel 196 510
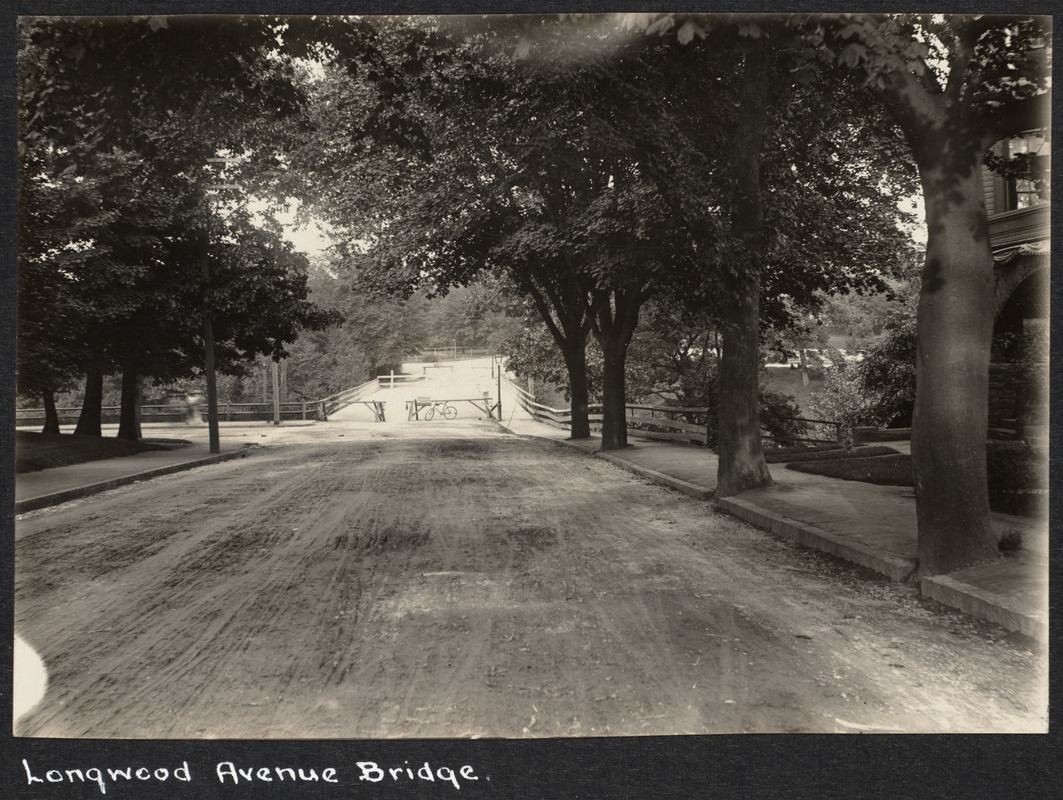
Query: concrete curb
pixel 65 496
pixel 990 606
pixel 680 485
pixel 893 567
pixel 948 590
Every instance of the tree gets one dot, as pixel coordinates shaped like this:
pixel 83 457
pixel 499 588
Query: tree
pixel 139 145
pixel 800 206
pixel 741 460
pixel 491 313
pixel 955 85
pixel 371 334
pixel 476 203
pixel 533 148
pixel 49 320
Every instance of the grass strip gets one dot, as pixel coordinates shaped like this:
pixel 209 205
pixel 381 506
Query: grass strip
pixel 838 453
pixel 884 470
pixel 37 451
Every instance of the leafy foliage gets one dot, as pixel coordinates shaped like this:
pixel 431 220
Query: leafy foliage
pixel 843 398
pixel 372 335
pixel 117 120
pixel 887 374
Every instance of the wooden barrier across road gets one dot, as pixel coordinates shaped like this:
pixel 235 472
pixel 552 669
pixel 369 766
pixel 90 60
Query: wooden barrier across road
pixel 414 407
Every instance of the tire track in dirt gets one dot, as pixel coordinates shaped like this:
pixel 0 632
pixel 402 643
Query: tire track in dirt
pixel 453 582
pixel 206 599
pixel 442 667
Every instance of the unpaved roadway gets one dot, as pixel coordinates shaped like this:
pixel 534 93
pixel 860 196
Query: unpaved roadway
pixel 446 579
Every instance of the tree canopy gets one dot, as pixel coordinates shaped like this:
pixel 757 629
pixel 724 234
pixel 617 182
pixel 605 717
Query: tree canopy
pixel 118 121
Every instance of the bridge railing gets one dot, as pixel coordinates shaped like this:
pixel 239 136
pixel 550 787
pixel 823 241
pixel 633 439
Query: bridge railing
pixel 671 423
pixel 327 406
pixel 390 381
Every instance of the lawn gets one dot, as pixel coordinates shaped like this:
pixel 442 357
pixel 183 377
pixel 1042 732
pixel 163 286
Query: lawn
pixel 889 470
pixel 37 451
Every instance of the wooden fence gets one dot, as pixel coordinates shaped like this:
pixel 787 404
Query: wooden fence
pixel 319 410
pixel 227 412
pixel 651 422
pixel 666 423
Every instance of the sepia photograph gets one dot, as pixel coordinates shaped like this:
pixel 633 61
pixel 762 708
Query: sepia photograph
pixel 568 376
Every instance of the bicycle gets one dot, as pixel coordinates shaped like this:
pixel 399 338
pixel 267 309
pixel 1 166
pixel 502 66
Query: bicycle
pixel 448 411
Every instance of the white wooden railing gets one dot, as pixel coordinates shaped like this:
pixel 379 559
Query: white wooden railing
pixel 667 423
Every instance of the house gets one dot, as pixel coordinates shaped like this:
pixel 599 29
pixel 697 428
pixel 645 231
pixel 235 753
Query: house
pixel 1017 203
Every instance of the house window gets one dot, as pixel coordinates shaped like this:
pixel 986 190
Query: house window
pixel 1029 182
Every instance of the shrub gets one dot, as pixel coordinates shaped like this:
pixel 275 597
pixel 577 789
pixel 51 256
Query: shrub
pixel 778 417
pixel 843 398
pixel 886 376
pixel 895 470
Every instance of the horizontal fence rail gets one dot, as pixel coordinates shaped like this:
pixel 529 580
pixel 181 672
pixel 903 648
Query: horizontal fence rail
pixel 390 381
pixel 668 423
pixel 228 412
pixel 319 410
pixel 327 406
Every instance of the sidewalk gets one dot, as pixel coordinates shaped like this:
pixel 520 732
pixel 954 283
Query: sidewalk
pixel 50 487
pixel 874 526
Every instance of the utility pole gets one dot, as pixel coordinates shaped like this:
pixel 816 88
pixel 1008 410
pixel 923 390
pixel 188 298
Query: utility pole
pixel 208 346
pixel 208 324
pixel 276 395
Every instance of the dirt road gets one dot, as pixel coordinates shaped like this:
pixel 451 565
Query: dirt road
pixel 446 579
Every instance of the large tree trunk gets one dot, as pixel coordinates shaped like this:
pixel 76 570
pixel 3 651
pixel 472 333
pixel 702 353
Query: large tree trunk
pixel 741 458
pixel 614 395
pixel 617 316
pixel 90 422
pixel 565 317
pixel 575 354
pixel 129 416
pixel 955 329
pixel 51 414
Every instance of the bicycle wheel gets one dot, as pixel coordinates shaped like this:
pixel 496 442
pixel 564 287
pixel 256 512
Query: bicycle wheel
pixel 431 412
pixel 449 412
